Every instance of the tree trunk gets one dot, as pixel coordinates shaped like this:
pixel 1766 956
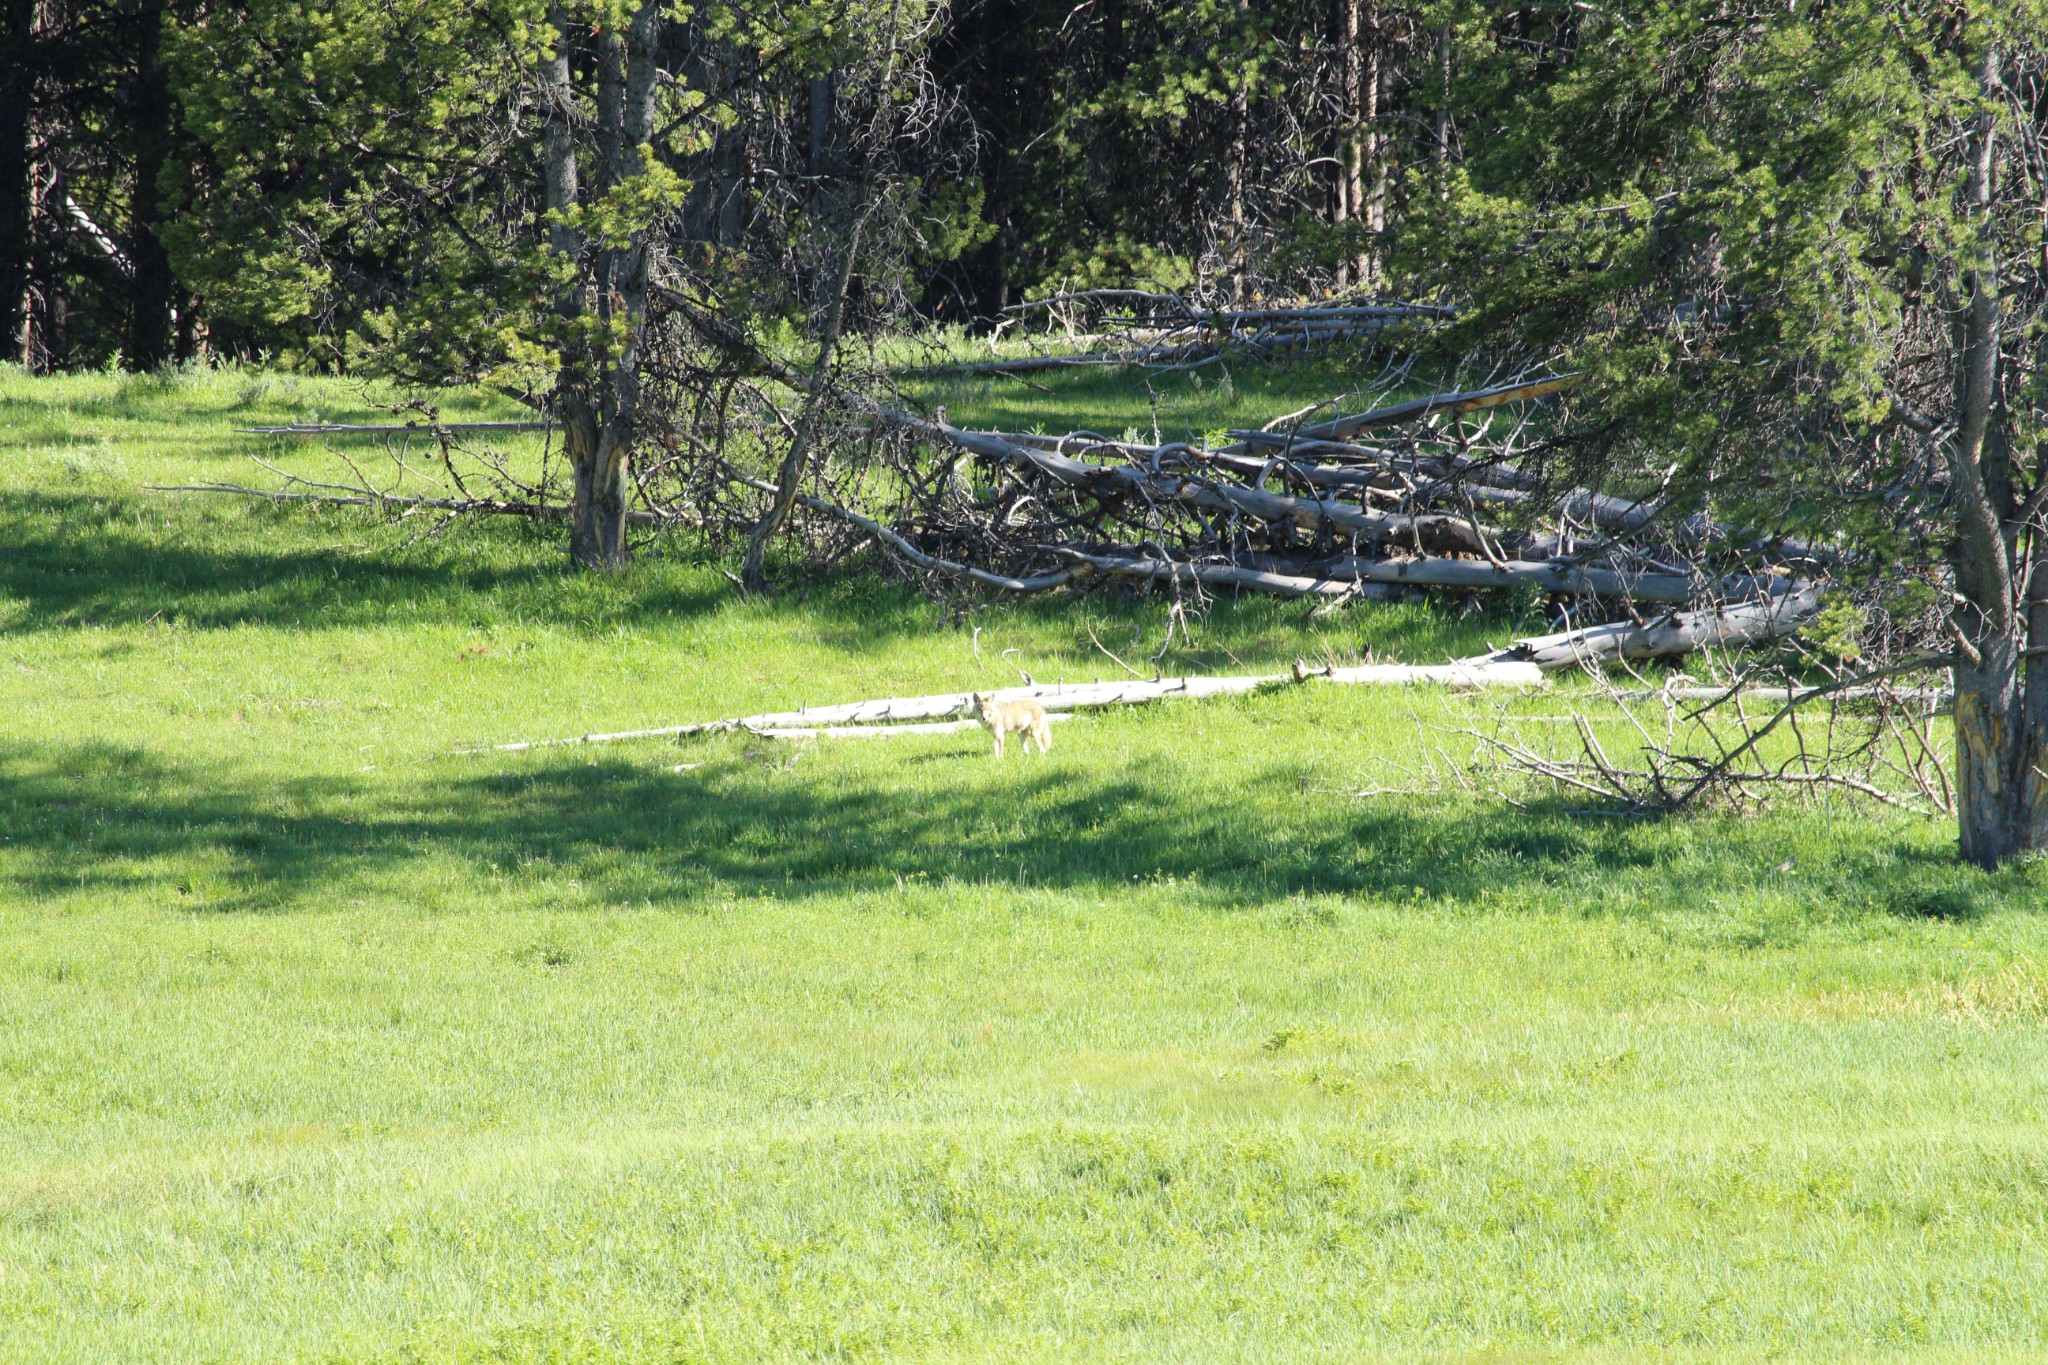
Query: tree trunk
pixel 1998 752
pixel 1240 133
pixel 1359 150
pixel 152 288
pixel 1347 190
pixel 1990 756
pixel 18 69
pixel 597 390
pixel 599 457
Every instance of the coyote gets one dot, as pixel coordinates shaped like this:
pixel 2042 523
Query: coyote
pixel 1026 717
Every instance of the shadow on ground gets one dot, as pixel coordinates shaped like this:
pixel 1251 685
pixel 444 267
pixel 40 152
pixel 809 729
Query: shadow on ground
pixel 76 562
pixel 104 820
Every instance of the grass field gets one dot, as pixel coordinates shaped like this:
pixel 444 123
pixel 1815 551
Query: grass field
pixel 317 1043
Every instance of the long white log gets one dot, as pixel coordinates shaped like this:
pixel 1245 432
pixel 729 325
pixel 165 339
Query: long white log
pixel 937 727
pixel 1062 697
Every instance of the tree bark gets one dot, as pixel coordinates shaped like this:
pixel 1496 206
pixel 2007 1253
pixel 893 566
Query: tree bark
pixel 1359 154
pixel 597 453
pixel 152 289
pixel 18 73
pixel 2001 742
pixel 597 389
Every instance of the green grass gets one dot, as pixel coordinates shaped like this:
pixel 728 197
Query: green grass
pixel 317 1043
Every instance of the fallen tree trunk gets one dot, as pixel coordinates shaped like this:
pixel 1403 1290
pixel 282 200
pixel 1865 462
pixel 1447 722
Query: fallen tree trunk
pixel 1063 697
pixel 937 727
pixel 1230 575
pixel 1437 572
pixel 1674 633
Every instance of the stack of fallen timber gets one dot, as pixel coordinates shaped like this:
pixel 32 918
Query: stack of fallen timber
pixel 935 714
pixel 1166 331
pixel 1429 518
pixel 1440 494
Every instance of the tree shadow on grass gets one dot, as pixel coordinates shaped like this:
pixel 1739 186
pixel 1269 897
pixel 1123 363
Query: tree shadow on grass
pixel 80 561
pixel 112 821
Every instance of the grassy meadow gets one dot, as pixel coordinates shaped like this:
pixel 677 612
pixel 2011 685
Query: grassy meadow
pixel 1211 1036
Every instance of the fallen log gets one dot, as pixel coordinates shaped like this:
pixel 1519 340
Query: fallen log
pixel 937 727
pixel 1061 697
pixel 1230 575
pixel 1437 572
pixel 1674 633
pixel 1428 532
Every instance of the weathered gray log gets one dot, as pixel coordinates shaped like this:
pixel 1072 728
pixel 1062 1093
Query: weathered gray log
pixel 1244 329
pixel 1671 634
pixel 1230 575
pixel 1428 532
pixel 1433 571
pixel 1488 482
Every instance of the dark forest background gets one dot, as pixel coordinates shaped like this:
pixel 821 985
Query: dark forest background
pixel 1211 145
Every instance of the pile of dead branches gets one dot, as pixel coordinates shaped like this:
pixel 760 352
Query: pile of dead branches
pixel 1755 738
pixel 1444 494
